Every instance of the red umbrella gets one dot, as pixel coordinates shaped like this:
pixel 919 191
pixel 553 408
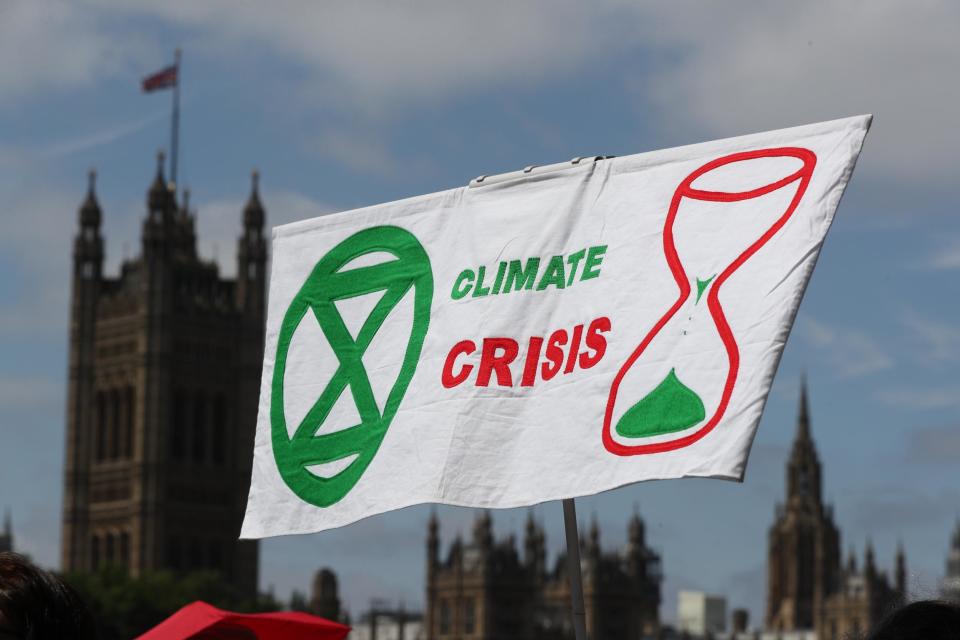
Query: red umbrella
pixel 201 621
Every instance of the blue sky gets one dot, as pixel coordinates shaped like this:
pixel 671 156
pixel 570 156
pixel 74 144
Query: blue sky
pixel 342 106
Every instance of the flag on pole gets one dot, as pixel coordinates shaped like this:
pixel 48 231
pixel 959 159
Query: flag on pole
pixel 540 335
pixel 163 79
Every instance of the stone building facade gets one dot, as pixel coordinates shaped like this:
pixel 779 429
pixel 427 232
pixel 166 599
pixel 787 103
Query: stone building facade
pixel 865 596
pixel 485 590
pixel 808 589
pixel 163 382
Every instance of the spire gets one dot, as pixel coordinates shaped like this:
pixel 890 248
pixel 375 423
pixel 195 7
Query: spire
pixel 869 565
pixel 635 528
pixel 90 209
pixel 253 213
pixel 530 530
pixel 803 414
pixel 901 570
pixel 159 196
pixel 483 529
pixel 594 532
pixel 852 562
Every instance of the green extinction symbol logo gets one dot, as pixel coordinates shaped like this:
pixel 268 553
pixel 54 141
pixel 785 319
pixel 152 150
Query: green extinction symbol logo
pixel 325 285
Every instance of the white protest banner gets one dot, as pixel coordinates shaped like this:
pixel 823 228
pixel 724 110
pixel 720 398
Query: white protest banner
pixel 548 336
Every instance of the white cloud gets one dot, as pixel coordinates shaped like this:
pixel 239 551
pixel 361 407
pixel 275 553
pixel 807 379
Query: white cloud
pixel 928 398
pixel 849 352
pixel 945 258
pixel 379 54
pixel 219 223
pixel 98 138
pixel 59 45
pixel 359 152
pixel 709 69
pixel 23 393
pixel 754 66
pixel 937 342
pixel 36 247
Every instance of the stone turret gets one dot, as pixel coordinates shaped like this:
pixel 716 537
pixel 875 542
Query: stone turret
pixel 6 538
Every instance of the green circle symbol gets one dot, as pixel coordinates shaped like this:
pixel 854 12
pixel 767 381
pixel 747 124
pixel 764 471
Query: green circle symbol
pixel 325 285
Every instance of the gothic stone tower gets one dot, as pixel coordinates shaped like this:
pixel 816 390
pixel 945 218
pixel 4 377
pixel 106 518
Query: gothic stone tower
pixel 803 563
pixel 486 590
pixel 164 371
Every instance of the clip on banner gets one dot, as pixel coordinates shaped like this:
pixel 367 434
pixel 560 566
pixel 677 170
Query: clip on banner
pixel 534 170
pixel 539 335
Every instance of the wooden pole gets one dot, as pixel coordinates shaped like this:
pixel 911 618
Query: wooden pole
pixel 573 569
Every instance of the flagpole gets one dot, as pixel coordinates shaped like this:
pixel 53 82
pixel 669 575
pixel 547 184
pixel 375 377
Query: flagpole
pixel 573 569
pixel 175 125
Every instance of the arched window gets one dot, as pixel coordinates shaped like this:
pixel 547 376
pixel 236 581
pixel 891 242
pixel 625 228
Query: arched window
pixel 122 410
pixel 129 411
pixel 469 617
pixel 100 426
pixel 109 550
pixel 178 430
pixel 125 549
pixel 113 431
pixel 94 552
pixel 199 428
pixel 444 618
pixel 219 430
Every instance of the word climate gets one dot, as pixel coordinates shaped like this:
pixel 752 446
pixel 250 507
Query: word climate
pixel 535 273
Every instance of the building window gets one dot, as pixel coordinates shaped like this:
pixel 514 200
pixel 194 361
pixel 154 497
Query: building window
pixel 113 426
pixel 199 428
pixel 125 549
pixel 179 427
pixel 469 617
pixel 444 617
pixel 109 549
pixel 129 403
pixel 100 426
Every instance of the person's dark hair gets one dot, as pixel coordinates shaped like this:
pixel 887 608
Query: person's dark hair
pixel 923 620
pixel 36 605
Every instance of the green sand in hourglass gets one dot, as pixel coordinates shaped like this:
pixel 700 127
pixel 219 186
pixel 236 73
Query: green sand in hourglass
pixel 671 407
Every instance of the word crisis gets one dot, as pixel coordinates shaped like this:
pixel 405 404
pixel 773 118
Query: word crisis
pixel 559 272
pixel 562 353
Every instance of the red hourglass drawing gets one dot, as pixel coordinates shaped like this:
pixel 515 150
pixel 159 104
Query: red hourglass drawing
pixel 692 349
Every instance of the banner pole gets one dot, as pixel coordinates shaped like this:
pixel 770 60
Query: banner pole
pixel 573 569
